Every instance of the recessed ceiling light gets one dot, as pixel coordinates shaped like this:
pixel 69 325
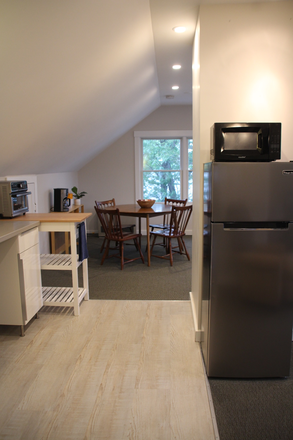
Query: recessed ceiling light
pixel 175 87
pixel 179 29
pixel 176 67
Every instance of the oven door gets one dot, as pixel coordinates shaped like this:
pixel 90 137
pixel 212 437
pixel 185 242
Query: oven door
pixel 19 203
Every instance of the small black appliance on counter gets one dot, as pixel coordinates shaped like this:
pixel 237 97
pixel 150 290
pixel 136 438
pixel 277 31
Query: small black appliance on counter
pixel 61 202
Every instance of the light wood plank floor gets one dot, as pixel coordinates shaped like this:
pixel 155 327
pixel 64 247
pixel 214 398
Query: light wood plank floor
pixel 121 370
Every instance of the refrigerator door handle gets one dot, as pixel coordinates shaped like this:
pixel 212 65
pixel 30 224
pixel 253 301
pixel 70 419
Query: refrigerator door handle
pixel 253 226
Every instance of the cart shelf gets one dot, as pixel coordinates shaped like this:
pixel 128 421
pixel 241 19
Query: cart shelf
pixel 61 296
pixel 57 262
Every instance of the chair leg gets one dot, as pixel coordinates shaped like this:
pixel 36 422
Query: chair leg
pixel 167 245
pixel 138 248
pixel 184 245
pixel 102 247
pixel 180 245
pixel 170 250
pixel 122 254
pixel 136 244
pixel 153 244
pixel 106 252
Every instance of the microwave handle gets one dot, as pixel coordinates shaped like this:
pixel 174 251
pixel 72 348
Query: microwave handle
pixel 19 194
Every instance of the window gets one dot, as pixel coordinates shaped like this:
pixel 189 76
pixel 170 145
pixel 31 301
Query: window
pixel 164 165
pixel 161 169
pixel 190 170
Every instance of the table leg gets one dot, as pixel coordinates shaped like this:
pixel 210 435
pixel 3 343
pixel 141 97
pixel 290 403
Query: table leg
pixel 148 239
pixel 53 243
pixel 139 230
pixel 67 242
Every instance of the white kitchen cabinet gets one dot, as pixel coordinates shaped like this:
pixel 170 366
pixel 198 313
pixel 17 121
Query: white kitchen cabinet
pixel 20 274
pixel 30 273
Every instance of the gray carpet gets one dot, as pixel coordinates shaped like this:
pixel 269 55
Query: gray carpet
pixel 254 409
pixel 136 281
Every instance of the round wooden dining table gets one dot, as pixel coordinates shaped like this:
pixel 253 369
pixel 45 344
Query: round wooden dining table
pixel 134 210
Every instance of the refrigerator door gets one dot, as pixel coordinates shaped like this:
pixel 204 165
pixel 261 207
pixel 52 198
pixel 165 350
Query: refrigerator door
pixel 249 308
pixel 249 191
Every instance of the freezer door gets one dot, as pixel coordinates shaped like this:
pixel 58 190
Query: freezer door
pixel 249 191
pixel 250 302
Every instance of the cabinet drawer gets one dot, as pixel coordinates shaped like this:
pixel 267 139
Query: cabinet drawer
pixel 28 239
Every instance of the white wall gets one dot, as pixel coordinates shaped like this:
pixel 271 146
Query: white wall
pixel 112 174
pixel 47 183
pixel 247 67
pixel 197 218
pixel 246 71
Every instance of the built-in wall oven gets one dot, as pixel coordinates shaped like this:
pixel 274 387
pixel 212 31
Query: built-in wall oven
pixel 13 198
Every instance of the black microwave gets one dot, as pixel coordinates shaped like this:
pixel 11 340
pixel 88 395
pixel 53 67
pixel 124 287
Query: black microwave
pixel 246 142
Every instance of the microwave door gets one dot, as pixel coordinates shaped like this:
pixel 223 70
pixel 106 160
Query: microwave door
pixel 246 142
pixel 250 302
pixel 19 202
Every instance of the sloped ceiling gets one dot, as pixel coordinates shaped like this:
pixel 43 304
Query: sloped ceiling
pixel 172 48
pixel 75 75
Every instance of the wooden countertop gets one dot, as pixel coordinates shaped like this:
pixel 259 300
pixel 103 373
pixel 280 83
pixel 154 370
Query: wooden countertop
pixel 53 217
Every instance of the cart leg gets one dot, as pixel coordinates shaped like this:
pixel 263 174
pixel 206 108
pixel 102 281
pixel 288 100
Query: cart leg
pixel 74 269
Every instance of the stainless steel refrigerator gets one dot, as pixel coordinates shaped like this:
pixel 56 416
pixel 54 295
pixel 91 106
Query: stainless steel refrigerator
pixel 247 307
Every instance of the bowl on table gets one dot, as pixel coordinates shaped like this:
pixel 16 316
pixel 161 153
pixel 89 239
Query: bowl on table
pixel 146 203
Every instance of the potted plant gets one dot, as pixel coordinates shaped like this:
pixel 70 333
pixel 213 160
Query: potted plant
pixel 77 195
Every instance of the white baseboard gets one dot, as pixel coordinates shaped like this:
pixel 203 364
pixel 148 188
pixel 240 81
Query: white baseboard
pixel 143 232
pixel 199 334
pixel 93 231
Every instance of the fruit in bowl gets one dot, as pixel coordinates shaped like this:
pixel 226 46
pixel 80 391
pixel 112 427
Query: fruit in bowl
pixel 146 203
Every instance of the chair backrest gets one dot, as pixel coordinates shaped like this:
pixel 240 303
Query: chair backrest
pixel 179 219
pixel 175 202
pixel 105 204
pixel 111 222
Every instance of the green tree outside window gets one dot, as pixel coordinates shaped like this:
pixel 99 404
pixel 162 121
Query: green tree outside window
pixel 161 169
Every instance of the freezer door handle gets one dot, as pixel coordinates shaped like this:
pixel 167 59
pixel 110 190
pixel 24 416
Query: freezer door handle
pixel 253 226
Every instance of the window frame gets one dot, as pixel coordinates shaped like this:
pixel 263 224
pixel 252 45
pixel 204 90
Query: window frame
pixel 183 135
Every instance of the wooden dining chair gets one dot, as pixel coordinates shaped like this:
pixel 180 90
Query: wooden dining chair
pixel 111 222
pixel 179 219
pixel 108 204
pixel 166 217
